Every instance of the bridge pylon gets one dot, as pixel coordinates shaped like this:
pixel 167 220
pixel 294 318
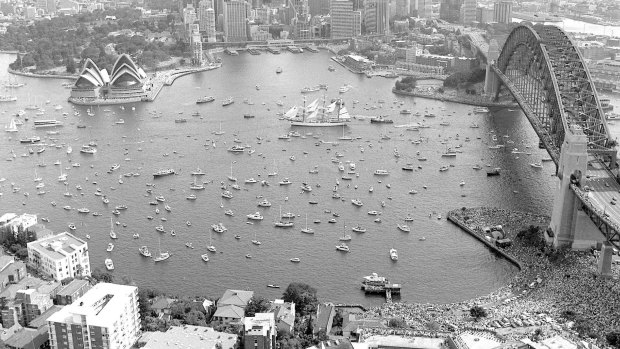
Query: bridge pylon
pixel 491 81
pixel 572 167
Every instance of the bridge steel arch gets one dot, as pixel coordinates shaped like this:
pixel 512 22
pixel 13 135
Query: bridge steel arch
pixel 544 71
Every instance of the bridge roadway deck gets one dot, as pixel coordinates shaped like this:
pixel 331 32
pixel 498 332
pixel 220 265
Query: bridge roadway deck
pixel 602 192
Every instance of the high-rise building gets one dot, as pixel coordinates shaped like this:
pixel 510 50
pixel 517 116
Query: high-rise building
pixel 203 5
pixel 189 15
pixel 235 21
pixel 60 256
pixel 424 8
pixel 502 12
pixel 196 45
pixel 450 10
pixel 107 316
pixel 210 25
pixel 402 7
pixel 377 17
pixel 485 15
pixel 468 11
pixel 343 19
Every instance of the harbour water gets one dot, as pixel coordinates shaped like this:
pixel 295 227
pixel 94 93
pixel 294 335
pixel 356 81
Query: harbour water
pixel 448 266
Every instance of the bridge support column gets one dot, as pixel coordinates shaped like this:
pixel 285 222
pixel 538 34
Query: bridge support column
pixel 491 82
pixel 572 166
pixel 604 259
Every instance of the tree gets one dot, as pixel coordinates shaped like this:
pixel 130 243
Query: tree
pixel 613 338
pixel 532 236
pixel 477 312
pixel 303 295
pixel 102 276
pixel 257 304
pixel 396 322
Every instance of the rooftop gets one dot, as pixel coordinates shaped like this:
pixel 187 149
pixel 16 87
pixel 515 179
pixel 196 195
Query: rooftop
pixel 41 320
pixel 229 311
pixel 188 337
pixel 236 297
pixel 56 246
pixel 73 286
pixel 27 282
pixel 25 336
pixel 101 305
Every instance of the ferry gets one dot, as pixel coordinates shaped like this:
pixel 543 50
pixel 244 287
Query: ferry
pixel 381 172
pixel 161 173
pixel 381 120
pixel 228 101
pixel 33 139
pixel 205 99
pixel 47 123
pixel 88 150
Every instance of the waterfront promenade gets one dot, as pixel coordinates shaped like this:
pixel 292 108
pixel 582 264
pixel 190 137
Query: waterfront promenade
pixel 543 291
pixel 153 84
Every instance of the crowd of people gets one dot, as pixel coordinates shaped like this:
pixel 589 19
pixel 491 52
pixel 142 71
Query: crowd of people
pixel 565 291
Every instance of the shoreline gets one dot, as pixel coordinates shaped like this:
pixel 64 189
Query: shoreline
pixel 548 285
pixel 455 99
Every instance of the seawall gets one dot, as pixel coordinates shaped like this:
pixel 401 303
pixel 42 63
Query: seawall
pixel 456 99
pixel 452 218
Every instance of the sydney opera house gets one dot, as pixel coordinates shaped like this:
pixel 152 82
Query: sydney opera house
pixel 124 84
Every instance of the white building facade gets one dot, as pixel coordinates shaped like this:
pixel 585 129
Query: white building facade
pixel 60 256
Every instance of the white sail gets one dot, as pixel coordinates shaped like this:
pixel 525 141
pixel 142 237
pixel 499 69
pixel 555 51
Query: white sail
pixel 312 106
pixel 330 108
pixel 343 114
pixel 11 127
pixel 312 116
pixel 291 113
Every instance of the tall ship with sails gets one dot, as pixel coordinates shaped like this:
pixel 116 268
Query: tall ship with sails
pixel 313 115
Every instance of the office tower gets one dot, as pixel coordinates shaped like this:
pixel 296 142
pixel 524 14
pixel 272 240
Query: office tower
pixel 377 17
pixel 196 45
pixel 235 21
pixel 424 8
pixel 203 5
pixel 343 19
pixel 468 11
pixel 105 317
pixel 450 10
pixel 210 25
pixel 502 12
pixel 60 256
pixel 315 7
pixel 402 7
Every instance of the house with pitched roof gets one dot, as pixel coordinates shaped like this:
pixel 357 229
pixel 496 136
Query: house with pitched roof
pixel 284 314
pixel 231 307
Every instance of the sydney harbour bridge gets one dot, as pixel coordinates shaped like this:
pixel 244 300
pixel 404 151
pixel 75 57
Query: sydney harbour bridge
pixel 545 73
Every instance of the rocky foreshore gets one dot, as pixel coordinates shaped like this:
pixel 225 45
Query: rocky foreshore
pixel 558 293
pixel 469 99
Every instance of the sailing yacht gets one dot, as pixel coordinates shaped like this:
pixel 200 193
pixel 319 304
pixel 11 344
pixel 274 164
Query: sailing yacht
pixel 210 247
pixel 63 176
pixel 11 127
pixel 282 224
pixel 345 236
pixel 220 132
pixel 306 229
pixel 345 138
pixel 231 178
pixel 255 241
pixel 112 233
pixel 275 170
pixel 36 177
pixel 162 256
